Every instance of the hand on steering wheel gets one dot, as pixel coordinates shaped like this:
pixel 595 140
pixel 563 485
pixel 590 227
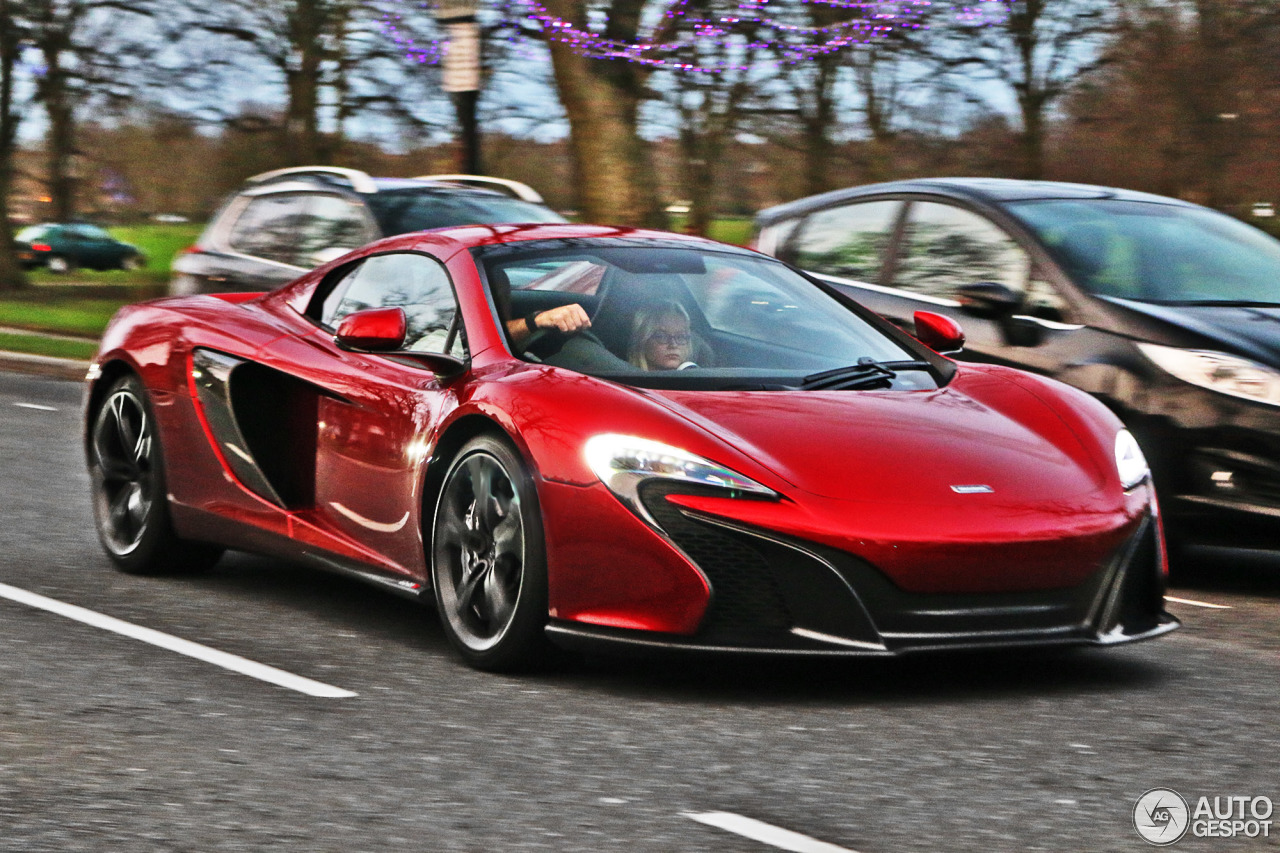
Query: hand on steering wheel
pixel 565 319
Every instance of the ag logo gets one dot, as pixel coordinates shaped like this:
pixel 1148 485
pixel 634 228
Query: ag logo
pixel 1161 816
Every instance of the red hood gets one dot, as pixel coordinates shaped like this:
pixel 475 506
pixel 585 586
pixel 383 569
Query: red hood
pixel 906 447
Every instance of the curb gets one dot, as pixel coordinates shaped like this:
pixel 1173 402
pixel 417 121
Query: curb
pixel 43 365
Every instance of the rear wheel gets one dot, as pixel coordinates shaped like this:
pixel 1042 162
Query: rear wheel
pixel 58 264
pixel 130 501
pixel 488 559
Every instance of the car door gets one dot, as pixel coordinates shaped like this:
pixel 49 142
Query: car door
pixel 375 414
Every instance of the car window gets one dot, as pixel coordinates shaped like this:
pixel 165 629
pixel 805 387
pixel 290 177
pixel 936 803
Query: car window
pixel 330 222
pixel 268 227
pixel 945 247
pixel 847 241
pixel 31 233
pixel 558 275
pixel 417 284
pixel 1158 252
pixel 90 232
pixel 402 211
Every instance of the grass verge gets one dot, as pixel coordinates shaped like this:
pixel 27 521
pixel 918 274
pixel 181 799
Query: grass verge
pixel 57 347
pixel 86 317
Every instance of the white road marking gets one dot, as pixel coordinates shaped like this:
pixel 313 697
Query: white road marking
pixel 253 669
pixel 1198 603
pixel 766 833
pixel 36 406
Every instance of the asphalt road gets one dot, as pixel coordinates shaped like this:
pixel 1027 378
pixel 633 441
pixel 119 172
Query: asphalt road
pixel 109 743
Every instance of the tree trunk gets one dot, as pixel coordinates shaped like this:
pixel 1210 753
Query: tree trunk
pixel 53 39
pixel 302 119
pixel 1031 139
pixel 11 274
pixel 60 141
pixel 615 184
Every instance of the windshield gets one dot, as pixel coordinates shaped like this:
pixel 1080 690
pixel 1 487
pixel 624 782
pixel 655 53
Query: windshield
pixel 1157 252
pixel 402 211
pixel 668 315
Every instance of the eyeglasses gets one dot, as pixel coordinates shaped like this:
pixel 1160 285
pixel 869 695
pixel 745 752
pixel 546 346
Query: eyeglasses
pixel 680 340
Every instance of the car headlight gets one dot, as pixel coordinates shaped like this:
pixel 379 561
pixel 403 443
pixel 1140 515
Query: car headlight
pixel 1218 371
pixel 1130 463
pixel 623 462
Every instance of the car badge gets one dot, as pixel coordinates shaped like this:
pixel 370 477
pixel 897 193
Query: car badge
pixel 972 490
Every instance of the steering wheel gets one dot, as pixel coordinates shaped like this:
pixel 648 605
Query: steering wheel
pixel 552 339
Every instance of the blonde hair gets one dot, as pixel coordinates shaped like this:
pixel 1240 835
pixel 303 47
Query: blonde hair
pixel 646 323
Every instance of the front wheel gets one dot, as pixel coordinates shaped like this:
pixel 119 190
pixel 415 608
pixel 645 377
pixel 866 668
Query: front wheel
pixel 488 558
pixel 133 263
pixel 130 501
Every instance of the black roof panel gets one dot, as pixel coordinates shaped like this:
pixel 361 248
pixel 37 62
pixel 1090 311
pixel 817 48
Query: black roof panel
pixel 990 190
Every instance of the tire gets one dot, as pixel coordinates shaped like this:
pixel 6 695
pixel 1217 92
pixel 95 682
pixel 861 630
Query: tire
pixel 488 560
pixel 130 504
pixel 133 263
pixel 60 265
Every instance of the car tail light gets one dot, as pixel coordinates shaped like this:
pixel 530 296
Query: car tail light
pixel 192 250
pixel 41 247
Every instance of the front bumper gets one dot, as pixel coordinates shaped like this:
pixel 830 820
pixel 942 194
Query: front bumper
pixel 1219 486
pixel 776 595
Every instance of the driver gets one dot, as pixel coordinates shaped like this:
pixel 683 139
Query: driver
pixel 565 318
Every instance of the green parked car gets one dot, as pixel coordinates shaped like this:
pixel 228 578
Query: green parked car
pixel 62 248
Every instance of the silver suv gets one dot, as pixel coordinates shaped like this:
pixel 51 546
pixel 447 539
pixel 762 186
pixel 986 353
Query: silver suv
pixel 285 222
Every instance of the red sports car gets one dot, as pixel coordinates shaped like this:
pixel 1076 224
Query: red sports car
pixel 578 435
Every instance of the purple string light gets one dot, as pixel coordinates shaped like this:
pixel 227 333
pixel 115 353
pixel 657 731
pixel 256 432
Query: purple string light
pixel 725 34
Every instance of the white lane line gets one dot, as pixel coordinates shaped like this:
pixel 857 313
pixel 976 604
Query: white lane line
pixel 253 669
pixel 766 833
pixel 1198 603
pixel 36 406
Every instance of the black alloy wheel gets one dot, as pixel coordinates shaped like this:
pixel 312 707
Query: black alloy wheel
pixel 488 560
pixel 130 501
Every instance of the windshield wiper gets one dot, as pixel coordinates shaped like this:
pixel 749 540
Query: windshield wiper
pixel 866 373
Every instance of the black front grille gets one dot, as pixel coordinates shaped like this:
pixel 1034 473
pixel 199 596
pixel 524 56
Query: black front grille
pixel 745 598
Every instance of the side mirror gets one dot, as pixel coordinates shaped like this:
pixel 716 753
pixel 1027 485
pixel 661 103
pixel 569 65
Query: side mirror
pixel 373 330
pixel 383 331
pixel 940 334
pixel 989 299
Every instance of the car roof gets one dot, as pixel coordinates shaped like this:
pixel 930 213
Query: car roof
pixel 472 236
pixel 446 241
pixel 309 183
pixel 992 191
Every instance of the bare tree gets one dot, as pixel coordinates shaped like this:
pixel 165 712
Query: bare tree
pixel 1037 51
pixel 86 48
pixel 332 60
pixel 602 103
pixel 1189 105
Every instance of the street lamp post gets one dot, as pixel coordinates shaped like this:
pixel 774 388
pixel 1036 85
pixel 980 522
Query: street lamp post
pixel 462 72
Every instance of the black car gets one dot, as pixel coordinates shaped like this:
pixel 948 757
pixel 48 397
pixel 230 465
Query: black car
pixel 61 247
pixel 1166 311
pixel 285 222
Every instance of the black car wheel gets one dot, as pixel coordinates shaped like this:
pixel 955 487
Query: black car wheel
pixel 488 560
pixel 133 263
pixel 129 496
